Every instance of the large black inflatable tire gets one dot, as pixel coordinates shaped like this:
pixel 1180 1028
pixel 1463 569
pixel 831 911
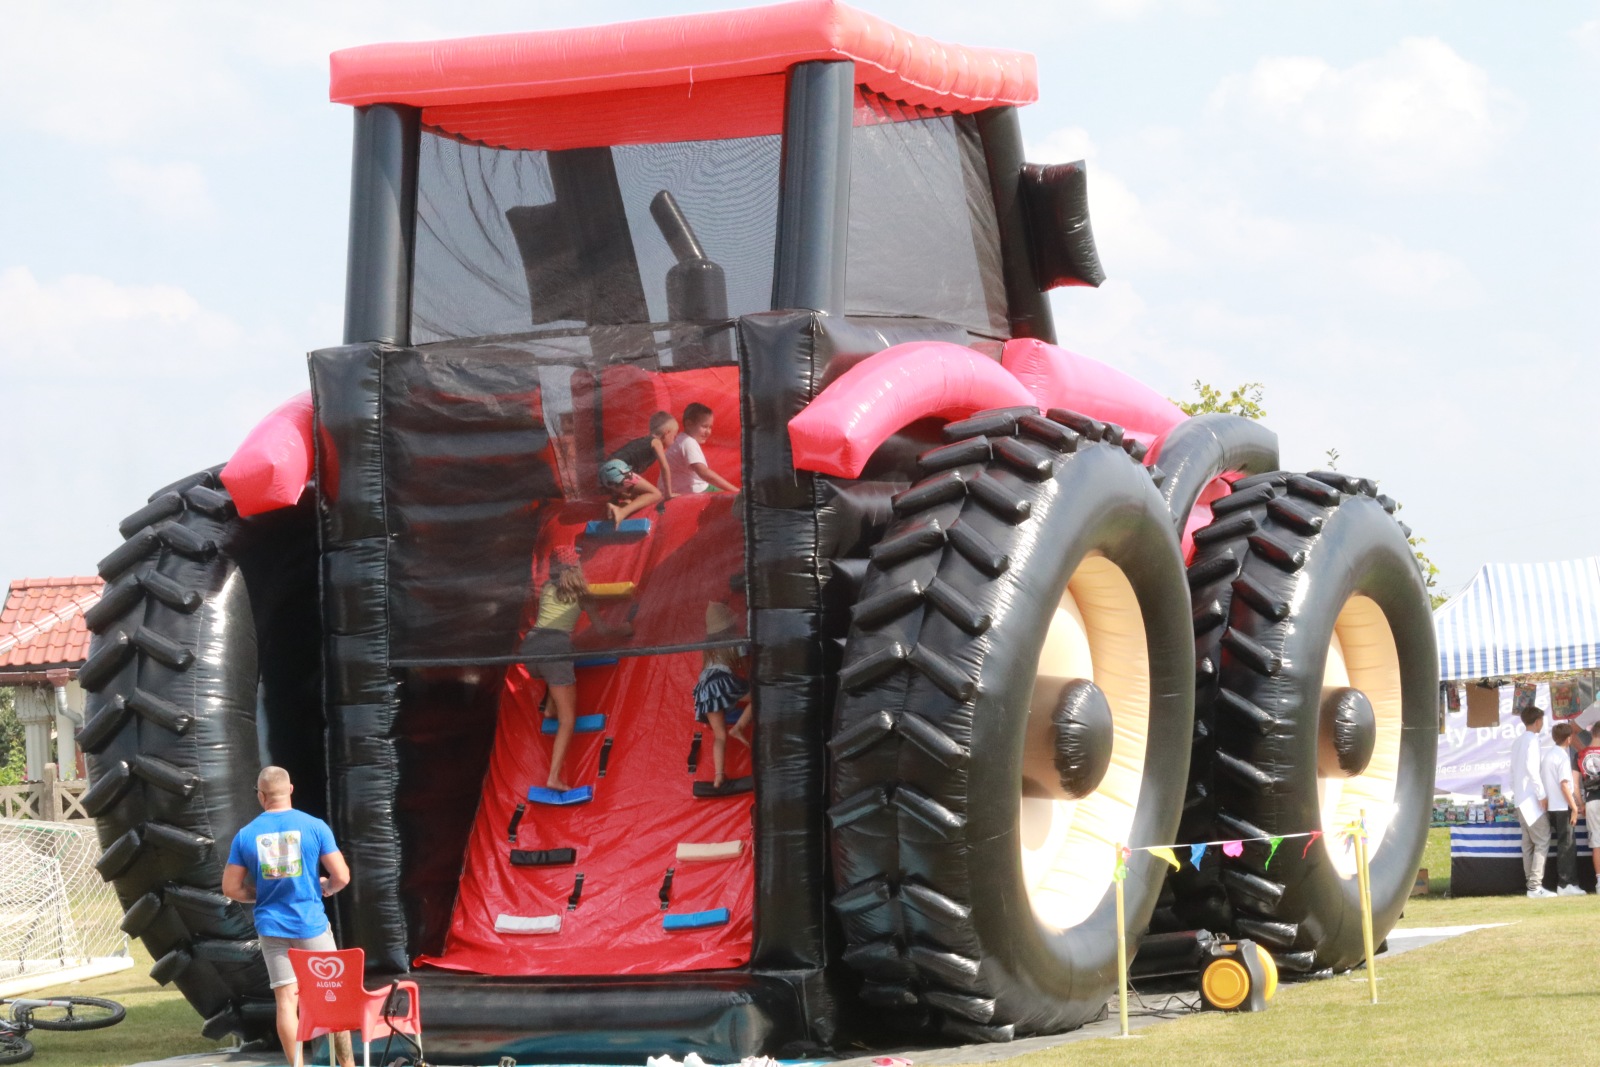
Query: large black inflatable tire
pixel 175 675
pixel 1305 588
pixel 1034 569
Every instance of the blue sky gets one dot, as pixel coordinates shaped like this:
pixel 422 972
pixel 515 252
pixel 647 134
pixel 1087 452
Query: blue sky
pixel 1386 212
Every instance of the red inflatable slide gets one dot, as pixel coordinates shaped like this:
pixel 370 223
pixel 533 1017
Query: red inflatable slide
pixel 644 818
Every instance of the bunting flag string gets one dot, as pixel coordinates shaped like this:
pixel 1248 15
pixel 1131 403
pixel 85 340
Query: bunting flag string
pixel 1233 848
pixel 1354 834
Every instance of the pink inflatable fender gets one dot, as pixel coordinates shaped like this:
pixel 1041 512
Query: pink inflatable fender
pixel 840 430
pixel 1061 379
pixel 271 469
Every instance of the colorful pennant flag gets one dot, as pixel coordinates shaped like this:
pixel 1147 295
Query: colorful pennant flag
pixel 1233 848
pixel 1271 852
pixel 1307 850
pixel 1163 852
pixel 1195 854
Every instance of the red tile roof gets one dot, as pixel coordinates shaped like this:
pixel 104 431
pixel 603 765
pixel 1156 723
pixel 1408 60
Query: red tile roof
pixel 41 624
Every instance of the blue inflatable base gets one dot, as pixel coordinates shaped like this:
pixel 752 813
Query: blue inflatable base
pixel 625 528
pixel 583 724
pixel 539 794
pixel 694 920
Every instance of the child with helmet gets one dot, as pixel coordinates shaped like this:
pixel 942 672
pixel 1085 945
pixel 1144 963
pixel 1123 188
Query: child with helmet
pixel 630 493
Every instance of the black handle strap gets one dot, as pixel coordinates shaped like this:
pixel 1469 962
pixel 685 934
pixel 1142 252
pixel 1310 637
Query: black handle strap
pixel 605 756
pixel 544 857
pixel 577 892
pixel 516 820
pixel 666 889
pixel 694 753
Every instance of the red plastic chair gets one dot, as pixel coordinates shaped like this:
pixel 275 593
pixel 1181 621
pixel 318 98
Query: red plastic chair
pixel 332 999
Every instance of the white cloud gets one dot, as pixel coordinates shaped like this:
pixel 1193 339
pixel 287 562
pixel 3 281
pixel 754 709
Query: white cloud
pixel 86 325
pixel 1588 38
pixel 1413 274
pixel 172 192
pixel 1067 144
pixel 109 74
pixel 113 390
pixel 1128 10
pixel 1416 117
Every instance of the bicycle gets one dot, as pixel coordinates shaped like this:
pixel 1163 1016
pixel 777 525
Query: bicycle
pixel 51 1013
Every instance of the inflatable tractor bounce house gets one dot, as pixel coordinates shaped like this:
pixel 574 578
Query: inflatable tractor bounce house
pixel 712 612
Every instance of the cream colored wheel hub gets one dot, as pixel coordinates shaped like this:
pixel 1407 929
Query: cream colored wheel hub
pixel 1096 646
pixel 1361 657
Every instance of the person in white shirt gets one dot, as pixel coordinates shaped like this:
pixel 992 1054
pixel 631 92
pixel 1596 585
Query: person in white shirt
pixel 687 470
pixel 1532 801
pixel 1555 767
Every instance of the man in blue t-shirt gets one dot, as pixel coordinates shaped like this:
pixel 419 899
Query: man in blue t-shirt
pixel 274 865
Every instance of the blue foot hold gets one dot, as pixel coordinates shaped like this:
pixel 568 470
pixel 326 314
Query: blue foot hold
pixel 539 794
pixel 583 724
pixel 594 661
pixel 625 528
pixel 694 920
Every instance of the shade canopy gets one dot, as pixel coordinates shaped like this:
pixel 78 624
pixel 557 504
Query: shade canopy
pixel 1522 618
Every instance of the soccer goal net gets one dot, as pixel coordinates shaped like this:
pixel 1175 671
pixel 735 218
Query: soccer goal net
pixel 56 915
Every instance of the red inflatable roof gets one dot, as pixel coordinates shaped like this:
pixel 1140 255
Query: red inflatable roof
pixel 684 51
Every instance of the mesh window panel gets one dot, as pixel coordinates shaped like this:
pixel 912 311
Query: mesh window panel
pixel 510 240
pixel 923 235
pixel 493 460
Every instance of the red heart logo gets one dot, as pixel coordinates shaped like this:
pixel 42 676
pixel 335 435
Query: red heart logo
pixel 326 968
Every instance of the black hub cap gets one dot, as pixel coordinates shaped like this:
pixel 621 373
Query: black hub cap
pixel 1083 729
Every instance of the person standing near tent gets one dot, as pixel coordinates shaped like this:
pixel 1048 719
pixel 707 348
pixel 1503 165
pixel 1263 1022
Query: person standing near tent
pixel 1532 801
pixel 1589 782
pixel 1556 768
pixel 275 864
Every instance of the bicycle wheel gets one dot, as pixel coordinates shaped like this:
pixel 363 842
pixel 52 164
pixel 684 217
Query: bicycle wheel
pixel 14 1048
pixel 69 1013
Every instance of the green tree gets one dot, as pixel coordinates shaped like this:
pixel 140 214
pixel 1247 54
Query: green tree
pixel 13 758
pixel 1430 573
pixel 1245 400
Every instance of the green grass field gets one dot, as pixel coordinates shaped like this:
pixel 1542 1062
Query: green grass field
pixel 1474 999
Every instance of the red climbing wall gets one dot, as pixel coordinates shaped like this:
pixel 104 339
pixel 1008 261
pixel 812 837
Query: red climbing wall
pixel 643 808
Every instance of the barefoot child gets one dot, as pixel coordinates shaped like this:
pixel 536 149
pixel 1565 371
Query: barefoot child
pixel 720 690
pixel 641 452
pixel 686 467
pixel 629 492
pixel 561 603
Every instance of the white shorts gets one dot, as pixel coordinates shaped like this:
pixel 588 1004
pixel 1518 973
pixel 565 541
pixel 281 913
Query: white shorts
pixel 1591 816
pixel 276 950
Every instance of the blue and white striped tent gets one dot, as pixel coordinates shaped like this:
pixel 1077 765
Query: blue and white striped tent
pixel 1522 618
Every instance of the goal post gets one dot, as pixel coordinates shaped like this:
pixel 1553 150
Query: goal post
pixel 58 921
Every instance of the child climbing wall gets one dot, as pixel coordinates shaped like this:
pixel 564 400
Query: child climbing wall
pixel 641 817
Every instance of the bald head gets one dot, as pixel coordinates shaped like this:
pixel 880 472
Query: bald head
pixel 273 788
